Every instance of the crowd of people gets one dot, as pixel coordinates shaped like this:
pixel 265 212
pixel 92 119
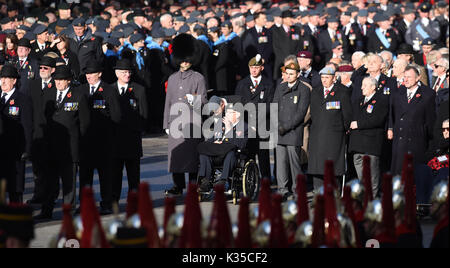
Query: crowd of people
pixel 82 82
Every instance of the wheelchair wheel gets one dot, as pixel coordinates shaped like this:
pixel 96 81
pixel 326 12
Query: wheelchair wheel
pixel 250 180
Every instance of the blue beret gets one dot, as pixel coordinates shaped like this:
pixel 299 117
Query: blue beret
pixel 184 29
pixel 191 20
pixel 40 29
pixel 363 13
pixel 170 32
pixel 427 42
pixel 113 41
pixel 327 71
pixel 158 33
pixel 79 22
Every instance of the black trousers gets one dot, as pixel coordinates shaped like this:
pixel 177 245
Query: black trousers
pixel 103 167
pixel 133 169
pixel 39 170
pixel 179 179
pixel 263 157
pixel 14 172
pixel 318 182
pixel 66 171
pixel 206 165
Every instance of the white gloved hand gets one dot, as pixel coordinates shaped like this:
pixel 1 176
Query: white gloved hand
pixel 425 21
pixel 167 131
pixel 190 98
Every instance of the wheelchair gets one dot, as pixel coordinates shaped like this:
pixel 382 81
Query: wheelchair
pixel 245 180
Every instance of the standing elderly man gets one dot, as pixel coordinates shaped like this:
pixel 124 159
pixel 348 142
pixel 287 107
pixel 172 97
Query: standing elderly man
pixel 185 88
pixel 411 120
pixel 367 130
pixel 15 141
pixel 331 115
pixel 128 144
pixel 307 73
pixel 293 100
pixel 440 72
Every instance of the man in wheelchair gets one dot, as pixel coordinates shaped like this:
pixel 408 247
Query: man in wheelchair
pixel 222 149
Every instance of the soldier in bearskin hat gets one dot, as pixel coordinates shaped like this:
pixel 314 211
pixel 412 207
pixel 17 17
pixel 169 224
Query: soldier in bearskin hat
pixel 186 87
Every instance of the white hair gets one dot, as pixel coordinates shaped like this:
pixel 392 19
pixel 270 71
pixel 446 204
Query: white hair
pixel 165 17
pixel 373 82
pixel 359 54
pixel 444 63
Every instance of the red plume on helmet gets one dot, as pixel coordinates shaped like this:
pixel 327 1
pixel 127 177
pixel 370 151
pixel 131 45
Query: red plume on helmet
pixel 67 229
pixel 302 201
pixel 387 235
pixel 265 204
pixel 333 232
pixel 407 160
pixel 367 180
pixel 169 210
pixel 409 224
pixel 318 236
pixel 244 238
pixel 132 204
pixel 348 203
pixel 191 232
pixel 220 234
pixel 93 235
pixel 329 179
pixel 148 220
pixel 277 237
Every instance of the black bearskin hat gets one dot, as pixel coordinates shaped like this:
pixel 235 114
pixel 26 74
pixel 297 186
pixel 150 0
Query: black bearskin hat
pixel 184 49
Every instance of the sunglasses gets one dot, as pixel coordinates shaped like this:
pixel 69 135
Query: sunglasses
pixel 445 129
pixel 44 68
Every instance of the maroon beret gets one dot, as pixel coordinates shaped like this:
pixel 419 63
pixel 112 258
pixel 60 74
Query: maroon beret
pixel 304 54
pixel 345 68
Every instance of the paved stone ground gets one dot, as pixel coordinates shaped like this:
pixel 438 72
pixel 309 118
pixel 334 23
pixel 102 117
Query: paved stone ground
pixel 154 172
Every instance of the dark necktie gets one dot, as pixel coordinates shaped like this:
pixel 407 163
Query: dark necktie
pixel 122 91
pixel 409 96
pixel 3 99
pixel 59 100
pixel 92 90
pixel 327 92
pixel 45 85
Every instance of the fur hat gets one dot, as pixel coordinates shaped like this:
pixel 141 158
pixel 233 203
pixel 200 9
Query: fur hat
pixel 184 47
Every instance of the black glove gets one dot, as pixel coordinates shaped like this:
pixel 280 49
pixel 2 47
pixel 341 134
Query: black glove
pixel 281 130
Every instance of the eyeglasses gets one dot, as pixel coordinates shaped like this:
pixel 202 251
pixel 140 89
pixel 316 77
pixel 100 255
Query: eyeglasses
pixel 437 66
pixel 340 48
pixel 444 129
pixel 44 68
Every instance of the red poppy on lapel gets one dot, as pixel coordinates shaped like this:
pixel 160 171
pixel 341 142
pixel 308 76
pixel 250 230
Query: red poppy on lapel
pixel 26 63
pixel 100 89
pixel 263 33
pixel 11 102
pixel 332 93
pixel 387 34
pixel 130 89
pixel 292 30
pixel 69 95
pixel 383 82
pixel 93 38
pixel 374 101
pixel 418 95
pixel 49 85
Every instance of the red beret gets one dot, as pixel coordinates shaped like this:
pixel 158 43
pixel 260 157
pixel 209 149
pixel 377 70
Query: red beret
pixel 304 54
pixel 345 68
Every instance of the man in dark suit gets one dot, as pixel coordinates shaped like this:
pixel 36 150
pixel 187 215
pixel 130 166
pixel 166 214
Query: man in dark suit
pixel 86 46
pixel 26 64
pixel 307 74
pixel 408 18
pixel 258 40
pixel 96 147
pixel 257 89
pixel 128 138
pixel 411 121
pixel 368 130
pixel 384 37
pixel 41 46
pixel 293 100
pixel 222 148
pixel 66 119
pixel 328 37
pixel 287 40
pixel 359 32
pixel 331 115
pixel 39 156
pixel 15 141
